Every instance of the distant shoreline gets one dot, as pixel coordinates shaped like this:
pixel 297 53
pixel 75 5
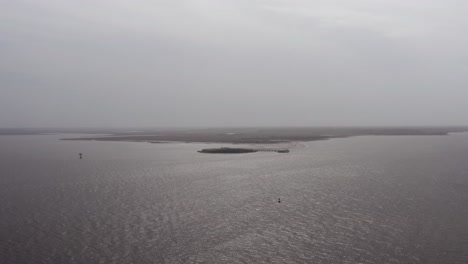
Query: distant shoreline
pixel 267 135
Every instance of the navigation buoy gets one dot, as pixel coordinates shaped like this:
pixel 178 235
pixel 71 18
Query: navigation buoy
pixel 81 155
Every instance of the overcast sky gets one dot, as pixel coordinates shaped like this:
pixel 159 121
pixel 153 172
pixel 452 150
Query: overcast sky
pixel 92 63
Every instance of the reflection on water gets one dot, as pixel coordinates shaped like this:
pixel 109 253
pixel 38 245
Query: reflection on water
pixel 356 200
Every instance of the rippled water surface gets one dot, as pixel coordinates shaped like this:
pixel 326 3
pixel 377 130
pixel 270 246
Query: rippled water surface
pixel 357 200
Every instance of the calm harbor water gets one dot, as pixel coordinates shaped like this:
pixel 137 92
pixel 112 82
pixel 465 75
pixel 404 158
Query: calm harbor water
pixel 386 199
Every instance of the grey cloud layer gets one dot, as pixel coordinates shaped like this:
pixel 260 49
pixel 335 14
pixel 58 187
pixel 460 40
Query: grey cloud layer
pixel 226 62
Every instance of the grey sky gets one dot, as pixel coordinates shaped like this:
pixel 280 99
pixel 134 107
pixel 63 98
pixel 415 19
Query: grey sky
pixel 233 63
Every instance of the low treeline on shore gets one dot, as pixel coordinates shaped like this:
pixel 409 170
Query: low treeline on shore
pixel 265 135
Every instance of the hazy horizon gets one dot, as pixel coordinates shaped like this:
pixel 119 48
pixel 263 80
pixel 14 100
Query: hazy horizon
pixel 78 128
pixel 232 63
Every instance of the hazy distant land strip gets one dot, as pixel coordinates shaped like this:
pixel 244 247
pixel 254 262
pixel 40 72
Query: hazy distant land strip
pixel 267 135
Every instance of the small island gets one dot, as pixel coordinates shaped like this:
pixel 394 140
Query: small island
pixel 226 150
